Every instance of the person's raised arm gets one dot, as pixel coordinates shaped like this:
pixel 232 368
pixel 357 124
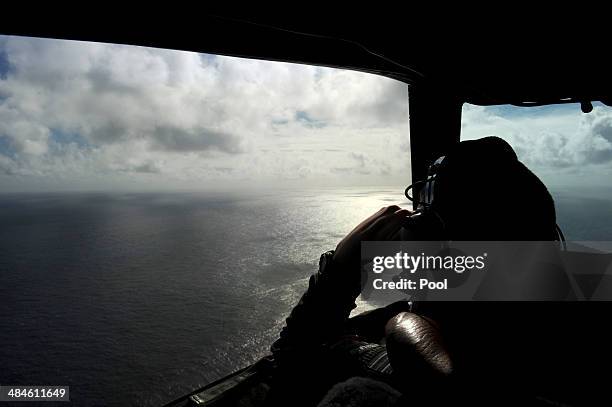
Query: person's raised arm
pixel 322 312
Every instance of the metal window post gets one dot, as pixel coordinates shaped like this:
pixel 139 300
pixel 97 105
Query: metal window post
pixel 435 125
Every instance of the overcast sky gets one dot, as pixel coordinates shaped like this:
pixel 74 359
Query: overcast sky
pixel 76 115
pixel 88 116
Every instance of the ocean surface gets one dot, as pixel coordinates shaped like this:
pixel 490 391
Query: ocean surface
pixel 139 298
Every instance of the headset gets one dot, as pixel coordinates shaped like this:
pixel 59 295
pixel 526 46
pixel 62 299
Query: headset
pixel 426 194
pixel 425 221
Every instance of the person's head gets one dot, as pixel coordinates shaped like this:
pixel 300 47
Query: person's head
pixel 483 192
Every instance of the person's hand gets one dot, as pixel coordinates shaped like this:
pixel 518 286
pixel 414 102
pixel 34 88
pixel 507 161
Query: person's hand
pixel 383 225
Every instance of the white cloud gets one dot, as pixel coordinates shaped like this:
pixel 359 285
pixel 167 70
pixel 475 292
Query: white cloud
pixel 104 114
pixel 87 115
pixel 556 141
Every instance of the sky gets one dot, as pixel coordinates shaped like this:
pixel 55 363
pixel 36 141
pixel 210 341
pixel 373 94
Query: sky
pixel 562 145
pixel 90 116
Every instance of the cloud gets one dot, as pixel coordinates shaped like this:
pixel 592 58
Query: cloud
pixel 82 110
pixel 148 167
pixel 548 138
pixel 359 158
pixel 177 139
pixel 4 65
pixel 364 164
pixel 7 166
pixel 94 115
pixel 602 125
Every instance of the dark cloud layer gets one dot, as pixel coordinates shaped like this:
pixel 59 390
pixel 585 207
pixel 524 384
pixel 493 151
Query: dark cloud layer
pixel 175 139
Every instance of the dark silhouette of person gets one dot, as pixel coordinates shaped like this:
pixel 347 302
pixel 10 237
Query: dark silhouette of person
pixel 434 353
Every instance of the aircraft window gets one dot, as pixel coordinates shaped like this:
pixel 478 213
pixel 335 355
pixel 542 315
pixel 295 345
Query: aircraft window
pixel 160 211
pixel 569 150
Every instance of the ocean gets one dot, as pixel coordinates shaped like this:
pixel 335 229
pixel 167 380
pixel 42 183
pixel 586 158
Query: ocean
pixel 136 299
pixel 139 298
